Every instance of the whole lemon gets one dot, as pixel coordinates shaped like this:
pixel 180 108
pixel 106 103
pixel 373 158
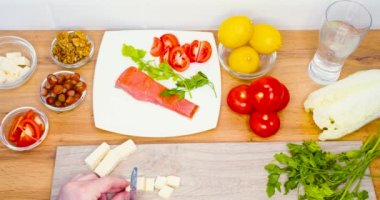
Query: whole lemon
pixel 235 31
pixel 265 39
pixel 244 59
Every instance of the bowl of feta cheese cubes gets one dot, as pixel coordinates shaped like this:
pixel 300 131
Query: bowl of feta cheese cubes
pixel 18 61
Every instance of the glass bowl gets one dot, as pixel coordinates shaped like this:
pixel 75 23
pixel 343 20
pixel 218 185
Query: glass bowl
pixel 8 120
pixel 266 64
pixel 77 64
pixel 66 108
pixel 16 44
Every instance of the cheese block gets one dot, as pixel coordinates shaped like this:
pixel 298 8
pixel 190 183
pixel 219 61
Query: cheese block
pixel 149 185
pixel 97 155
pixel 166 192
pixel 125 149
pixel 173 181
pixel 108 163
pixel 160 182
pixel 140 185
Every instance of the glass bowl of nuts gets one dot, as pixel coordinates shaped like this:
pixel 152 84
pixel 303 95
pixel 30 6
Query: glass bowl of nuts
pixel 63 91
pixel 72 49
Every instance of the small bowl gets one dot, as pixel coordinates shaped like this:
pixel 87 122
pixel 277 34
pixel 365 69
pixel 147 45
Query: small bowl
pixel 266 64
pixel 77 64
pixel 17 44
pixel 7 122
pixel 62 109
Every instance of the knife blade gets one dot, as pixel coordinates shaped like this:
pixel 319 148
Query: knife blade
pixel 133 192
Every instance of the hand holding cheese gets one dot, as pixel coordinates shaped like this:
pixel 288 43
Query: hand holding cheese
pixel 345 106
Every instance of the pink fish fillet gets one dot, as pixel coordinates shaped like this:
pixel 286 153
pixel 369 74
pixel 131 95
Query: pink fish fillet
pixel 143 88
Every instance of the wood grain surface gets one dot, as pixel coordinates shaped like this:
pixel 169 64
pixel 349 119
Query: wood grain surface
pixel 217 171
pixel 19 171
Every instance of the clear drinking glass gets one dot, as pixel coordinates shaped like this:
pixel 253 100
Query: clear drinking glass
pixel 345 25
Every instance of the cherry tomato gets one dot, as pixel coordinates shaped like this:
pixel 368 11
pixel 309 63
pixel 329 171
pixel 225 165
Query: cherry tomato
pixel 178 59
pixel 157 47
pixel 165 56
pixel 265 94
pixel 204 53
pixel 264 124
pixel 169 41
pixel 284 99
pixel 238 99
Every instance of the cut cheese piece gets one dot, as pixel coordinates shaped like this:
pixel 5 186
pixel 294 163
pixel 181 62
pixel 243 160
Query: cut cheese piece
pixel 97 155
pixel 149 185
pixel 166 192
pixel 13 54
pixel 173 181
pixel 108 163
pixel 160 182
pixel 125 149
pixel 140 185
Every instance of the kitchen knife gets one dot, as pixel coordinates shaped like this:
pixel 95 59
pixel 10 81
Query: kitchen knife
pixel 133 193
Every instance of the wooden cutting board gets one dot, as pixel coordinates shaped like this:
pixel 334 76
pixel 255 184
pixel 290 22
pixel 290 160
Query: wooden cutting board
pixel 220 171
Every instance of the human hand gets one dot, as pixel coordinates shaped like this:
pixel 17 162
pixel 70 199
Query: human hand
pixel 91 187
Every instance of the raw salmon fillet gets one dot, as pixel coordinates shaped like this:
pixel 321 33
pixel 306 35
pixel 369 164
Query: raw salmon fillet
pixel 143 88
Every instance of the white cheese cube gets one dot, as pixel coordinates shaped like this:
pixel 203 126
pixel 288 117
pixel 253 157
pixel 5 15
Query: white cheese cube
pixel 166 192
pixel 173 181
pixel 21 61
pixel 3 77
pixel 149 185
pixel 109 162
pixel 9 67
pixel 160 182
pixel 13 54
pixel 97 155
pixel 140 185
pixel 125 149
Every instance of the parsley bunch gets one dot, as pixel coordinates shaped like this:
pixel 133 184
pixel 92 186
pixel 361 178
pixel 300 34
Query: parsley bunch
pixel 164 72
pixel 323 175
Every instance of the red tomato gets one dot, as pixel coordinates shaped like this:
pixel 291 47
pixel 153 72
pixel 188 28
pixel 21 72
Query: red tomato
pixel 169 41
pixel 265 94
pixel 238 99
pixel 204 52
pixel 165 56
pixel 284 99
pixel 186 47
pixel 157 47
pixel 25 140
pixel 264 124
pixel 200 51
pixel 178 59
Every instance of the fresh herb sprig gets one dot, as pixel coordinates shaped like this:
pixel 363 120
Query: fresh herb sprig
pixel 163 71
pixel 323 175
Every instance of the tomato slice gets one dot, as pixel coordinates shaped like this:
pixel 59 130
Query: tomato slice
pixel 25 140
pixel 204 52
pixel 165 56
pixel 169 41
pixel 194 50
pixel 157 47
pixel 35 129
pixel 15 129
pixel 178 59
pixel 186 47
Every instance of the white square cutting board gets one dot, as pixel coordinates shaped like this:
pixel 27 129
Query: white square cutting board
pixel 117 111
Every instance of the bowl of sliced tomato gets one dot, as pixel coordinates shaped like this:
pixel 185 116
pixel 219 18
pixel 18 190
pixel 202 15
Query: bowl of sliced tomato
pixel 24 128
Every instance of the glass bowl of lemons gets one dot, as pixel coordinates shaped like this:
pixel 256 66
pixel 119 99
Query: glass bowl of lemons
pixel 246 50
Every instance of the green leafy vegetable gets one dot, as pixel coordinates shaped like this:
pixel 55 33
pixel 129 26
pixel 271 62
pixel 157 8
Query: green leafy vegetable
pixel 164 72
pixel 322 175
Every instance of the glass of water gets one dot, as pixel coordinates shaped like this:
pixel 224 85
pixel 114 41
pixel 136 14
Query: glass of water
pixel 345 25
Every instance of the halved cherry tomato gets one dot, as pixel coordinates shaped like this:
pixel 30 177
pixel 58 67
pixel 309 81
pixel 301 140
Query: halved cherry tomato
pixel 164 57
pixel 178 59
pixel 25 140
pixel 284 99
pixel 204 52
pixel 264 124
pixel 35 128
pixel 157 47
pixel 15 130
pixel 265 94
pixel 169 41
pixel 238 99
